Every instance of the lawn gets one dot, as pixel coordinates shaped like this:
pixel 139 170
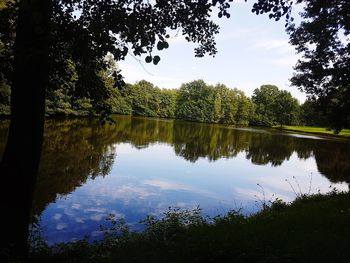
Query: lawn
pixel 345 133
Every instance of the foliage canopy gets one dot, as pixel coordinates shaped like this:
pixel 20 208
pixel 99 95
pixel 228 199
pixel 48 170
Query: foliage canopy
pixel 322 38
pixel 274 106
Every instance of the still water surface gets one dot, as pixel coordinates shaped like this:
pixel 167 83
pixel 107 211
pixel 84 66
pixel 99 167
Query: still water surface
pixel 138 166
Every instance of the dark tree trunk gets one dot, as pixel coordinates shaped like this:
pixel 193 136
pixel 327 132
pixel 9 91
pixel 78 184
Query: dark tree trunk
pixel 19 165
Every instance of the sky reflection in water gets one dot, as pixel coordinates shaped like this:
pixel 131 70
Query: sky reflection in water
pixel 139 167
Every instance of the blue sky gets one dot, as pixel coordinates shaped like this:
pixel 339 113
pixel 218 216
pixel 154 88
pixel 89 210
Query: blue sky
pixel 252 51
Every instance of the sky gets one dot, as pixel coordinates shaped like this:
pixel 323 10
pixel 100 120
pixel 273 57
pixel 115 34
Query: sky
pixel 252 51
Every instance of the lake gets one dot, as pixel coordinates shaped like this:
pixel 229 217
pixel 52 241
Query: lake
pixel 141 166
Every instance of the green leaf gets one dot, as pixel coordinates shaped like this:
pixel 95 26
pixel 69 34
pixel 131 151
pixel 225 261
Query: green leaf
pixel 148 59
pixel 160 45
pixel 156 59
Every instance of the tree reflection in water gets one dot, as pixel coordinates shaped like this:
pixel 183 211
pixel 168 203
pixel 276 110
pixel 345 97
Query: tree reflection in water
pixel 77 149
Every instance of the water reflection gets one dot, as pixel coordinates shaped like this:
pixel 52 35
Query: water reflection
pixel 135 166
pixel 73 151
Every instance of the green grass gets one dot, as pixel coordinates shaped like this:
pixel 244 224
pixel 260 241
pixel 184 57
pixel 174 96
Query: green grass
pixel 311 229
pixel 345 133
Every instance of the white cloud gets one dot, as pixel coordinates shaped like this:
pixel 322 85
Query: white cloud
pixel 285 61
pixel 125 193
pixel 97 217
pixel 57 217
pixel 167 185
pixel 76 206
pixel 124 148
pixel 61 226
pixel 96 209
pixel 279 46
pixel 79 220
pixel 237 33
pixel 257 194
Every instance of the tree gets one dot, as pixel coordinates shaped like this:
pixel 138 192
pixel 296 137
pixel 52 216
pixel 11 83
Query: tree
pixel 274 106
pixel 6 53
pixel 144 98
pixel 264 99
pixel 48 33
pixel 195 102
pixel 21 156
pixel 228 104
pixel 167 103
pixel 287 109
pixel 322 38
pixel 4 98
pixel 310 114
pixel 245 110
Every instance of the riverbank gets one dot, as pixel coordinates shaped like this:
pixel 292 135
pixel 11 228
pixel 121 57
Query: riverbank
pixel 311 229
pixel 345 133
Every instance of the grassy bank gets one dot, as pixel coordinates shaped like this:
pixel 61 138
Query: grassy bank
pixel 345 133
pixel 311 229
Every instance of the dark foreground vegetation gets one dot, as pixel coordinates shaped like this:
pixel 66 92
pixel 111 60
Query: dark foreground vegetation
pixel 311 229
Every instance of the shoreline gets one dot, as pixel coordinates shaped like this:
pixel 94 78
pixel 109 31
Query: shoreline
pixel 322 132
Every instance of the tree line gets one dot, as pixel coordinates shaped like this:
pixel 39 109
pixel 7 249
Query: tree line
pixel 193 101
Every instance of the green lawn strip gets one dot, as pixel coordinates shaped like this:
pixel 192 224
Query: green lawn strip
pixel 311 229
pixel 345 133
